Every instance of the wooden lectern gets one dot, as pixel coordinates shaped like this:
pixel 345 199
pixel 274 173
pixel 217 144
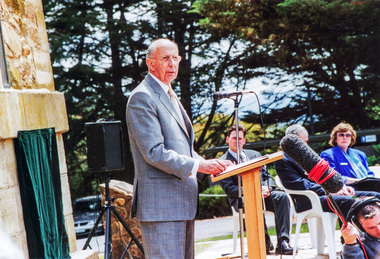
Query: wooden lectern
pixel 254 216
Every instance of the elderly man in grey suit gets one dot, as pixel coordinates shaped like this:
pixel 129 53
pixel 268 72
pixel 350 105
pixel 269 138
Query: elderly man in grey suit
pixel 161 135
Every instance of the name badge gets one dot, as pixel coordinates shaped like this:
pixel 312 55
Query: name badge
pixel 344 163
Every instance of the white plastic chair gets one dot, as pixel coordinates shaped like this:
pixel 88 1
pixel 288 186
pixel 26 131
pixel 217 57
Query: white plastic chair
pixel 325 221
pixel 311 222
pixel 235 216
pixel 236 228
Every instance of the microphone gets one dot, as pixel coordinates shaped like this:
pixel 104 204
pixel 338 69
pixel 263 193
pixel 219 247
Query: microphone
pixel 318 169
pixel 217 96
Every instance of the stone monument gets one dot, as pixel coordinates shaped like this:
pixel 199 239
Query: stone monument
pixel 28 101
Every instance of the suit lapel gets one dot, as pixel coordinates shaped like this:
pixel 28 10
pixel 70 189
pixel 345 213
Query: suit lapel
pixel 164 98
pixel 187 121
pixel 231 157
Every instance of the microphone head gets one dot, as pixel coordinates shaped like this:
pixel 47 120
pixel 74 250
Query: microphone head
pixel 306 158
pixel 334 183
pixel 299 151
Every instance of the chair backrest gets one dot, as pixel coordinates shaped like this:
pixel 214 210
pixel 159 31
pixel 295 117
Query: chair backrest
pixel 278 182
pixel 313 215
pixel 312 196
pixel 281 186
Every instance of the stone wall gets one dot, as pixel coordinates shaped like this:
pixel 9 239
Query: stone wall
pixel 121 192
pixel 30 103
pixel 26 44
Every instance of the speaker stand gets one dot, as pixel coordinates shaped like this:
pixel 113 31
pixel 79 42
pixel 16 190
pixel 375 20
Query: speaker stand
pixel 108 208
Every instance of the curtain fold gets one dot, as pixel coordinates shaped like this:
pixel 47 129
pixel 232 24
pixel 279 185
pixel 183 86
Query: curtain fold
pixel 41 195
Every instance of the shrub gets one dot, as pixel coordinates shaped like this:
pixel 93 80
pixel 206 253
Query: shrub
pixel 213 203
pixel 374 159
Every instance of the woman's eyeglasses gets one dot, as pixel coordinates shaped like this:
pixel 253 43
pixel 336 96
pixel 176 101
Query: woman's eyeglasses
pixel 347 135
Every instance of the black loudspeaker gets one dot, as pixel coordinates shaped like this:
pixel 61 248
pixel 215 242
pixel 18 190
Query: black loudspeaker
pixel 356 207
pixel 104 146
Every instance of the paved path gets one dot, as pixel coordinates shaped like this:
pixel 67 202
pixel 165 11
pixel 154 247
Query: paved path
pixel 96 243
pixel 213 227
pixel 222 227
pixel 216 249
pixel 203 229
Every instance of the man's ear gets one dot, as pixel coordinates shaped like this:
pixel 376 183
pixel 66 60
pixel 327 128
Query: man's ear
pixel 227 139
pixel 150 64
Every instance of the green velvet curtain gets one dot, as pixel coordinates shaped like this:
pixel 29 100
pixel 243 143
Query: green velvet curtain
pixel 41 196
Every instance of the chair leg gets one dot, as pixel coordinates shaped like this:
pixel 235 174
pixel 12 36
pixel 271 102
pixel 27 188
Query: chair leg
pixel 329 228
pixel 292 215
pixel 312 224
pixel 298 229
pixel 321 235
pixel 235 233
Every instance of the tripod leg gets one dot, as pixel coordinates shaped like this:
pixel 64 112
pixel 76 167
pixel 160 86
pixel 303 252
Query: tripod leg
pixel 108 241
pixel 87 244
pixel 126 251
pixel 128 229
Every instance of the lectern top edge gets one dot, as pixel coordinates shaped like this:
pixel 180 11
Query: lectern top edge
pixel 247 166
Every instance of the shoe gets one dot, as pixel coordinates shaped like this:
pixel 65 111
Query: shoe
pixel 284 248
pixel 269 247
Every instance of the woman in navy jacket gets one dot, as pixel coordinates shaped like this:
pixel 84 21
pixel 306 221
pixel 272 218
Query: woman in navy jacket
pixel 349 162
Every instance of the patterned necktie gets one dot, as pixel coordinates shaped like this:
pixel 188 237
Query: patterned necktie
pixel 176 106
pixel 243 158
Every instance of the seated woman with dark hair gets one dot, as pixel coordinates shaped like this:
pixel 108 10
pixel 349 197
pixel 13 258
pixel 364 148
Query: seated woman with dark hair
pixel 351 163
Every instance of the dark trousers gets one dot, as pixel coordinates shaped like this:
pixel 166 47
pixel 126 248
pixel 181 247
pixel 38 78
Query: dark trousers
pixel 278 203
pixel 344 202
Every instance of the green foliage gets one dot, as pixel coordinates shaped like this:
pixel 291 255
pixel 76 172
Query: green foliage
pixel 313 67
pixel 214 203
pixel 374 159
pixel 328 62
pixel 98 56
pixel 271 170
pixel 90 62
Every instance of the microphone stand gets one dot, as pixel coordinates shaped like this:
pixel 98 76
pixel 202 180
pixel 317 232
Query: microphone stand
pixel 240 198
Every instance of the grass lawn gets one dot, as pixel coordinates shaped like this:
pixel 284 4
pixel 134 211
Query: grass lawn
pixel 203 244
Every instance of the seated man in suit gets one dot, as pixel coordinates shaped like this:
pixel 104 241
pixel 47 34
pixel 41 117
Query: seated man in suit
pixel 294 177
pixel 275 201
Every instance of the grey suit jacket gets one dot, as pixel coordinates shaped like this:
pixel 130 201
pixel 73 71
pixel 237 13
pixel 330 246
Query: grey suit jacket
pixel 163 156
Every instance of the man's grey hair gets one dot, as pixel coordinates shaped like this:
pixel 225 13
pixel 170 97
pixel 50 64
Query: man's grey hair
pixel 152 47
pixel 295 129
